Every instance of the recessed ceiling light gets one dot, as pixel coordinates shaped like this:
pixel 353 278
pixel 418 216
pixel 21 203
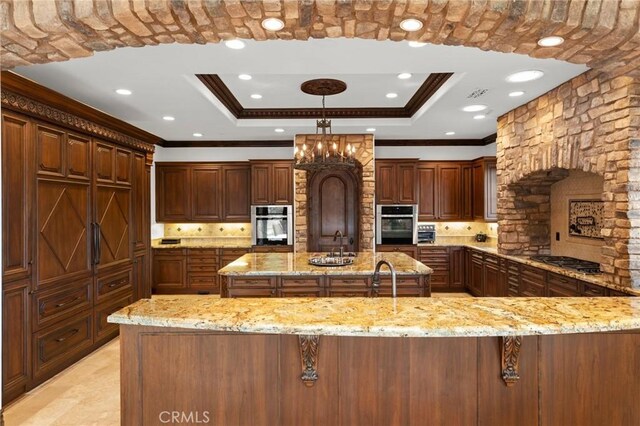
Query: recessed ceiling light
pixel 550 41
pixel 125 92
pixel 256 96
pixel 450 133
pixel 404 75
pixel 168 118
pixel 234 44
pixel 371 129
pixel 479 117
pixel 523 76
pixel 416 44
pixel 516 93
pixel 411 24
pixel 272 24
pixel 391 95
pixel 278 130
pixel 244 77
pixel 474 108
pixel 197 135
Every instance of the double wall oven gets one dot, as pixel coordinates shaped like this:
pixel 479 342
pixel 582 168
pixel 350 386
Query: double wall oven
pixel 396 224
pixel 272 225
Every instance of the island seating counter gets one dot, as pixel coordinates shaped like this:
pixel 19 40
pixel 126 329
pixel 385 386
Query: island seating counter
pixel 291 275
pixel 381 361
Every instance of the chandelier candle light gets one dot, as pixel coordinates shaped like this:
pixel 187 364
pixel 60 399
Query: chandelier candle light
pixel 325 153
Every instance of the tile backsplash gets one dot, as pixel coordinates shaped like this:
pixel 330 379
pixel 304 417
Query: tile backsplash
pixel 460 229
pixel 176 230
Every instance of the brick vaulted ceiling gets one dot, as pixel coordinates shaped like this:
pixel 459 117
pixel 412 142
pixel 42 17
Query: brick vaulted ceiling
pixel 602 34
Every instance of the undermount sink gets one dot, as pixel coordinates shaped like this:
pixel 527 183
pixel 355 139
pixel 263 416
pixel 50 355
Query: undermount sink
pixel 331 261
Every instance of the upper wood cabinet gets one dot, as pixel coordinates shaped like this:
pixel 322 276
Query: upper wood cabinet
pixel 271 182
pixel 203 192
pixel 395 181
pixel 440 189
pixel 485 189
pixel 427 204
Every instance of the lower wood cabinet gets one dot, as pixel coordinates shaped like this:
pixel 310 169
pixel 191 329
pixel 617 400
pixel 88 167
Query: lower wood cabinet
pixel 16 339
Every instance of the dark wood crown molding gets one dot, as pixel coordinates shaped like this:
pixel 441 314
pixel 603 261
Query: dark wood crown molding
pixel 436 142
pixel 432 83
pixel 30 98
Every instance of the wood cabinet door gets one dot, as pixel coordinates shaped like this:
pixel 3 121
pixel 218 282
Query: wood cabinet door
pixel 456 268
pixel 449 186
pixel 64 231
pixel 205 194
pixel 17 191
pixel 16 337
pixel 169 273
pixel 141 279
pixel 406 181
pixel 386 182
pixel 173 193
pixel 477 277
pixel 491 277
pixel 78 157
pixel 113 218
pixel 466 207
pixel 478 190
pixel 50 150
pixel 491 191
pixel 261 183
pixel 427 201
pixel 104 161
pixel 236 193
pixel 123 166
pixel 282 183
pixel 140 204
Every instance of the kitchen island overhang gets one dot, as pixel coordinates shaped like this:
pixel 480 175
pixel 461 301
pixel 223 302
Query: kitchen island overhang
pixel 381 360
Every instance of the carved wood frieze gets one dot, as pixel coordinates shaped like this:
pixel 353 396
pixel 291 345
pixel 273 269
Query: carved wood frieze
pixel 510 351
pixel 308 345
pixel 40 110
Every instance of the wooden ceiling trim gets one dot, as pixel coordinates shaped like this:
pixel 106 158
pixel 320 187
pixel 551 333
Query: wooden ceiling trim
pixel 429 87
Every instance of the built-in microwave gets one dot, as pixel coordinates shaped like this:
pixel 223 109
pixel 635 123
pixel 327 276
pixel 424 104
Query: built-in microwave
pixel 272 225
pixel 397 224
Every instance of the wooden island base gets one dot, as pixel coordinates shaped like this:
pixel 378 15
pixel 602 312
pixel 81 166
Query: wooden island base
pixel 257 379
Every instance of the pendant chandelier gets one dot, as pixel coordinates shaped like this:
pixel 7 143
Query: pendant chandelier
pixel 323 152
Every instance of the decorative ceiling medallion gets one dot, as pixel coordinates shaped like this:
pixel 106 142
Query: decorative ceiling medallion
pixel 323 87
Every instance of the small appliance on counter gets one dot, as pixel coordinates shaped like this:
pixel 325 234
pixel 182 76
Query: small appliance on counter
pixel 170 241
pixel 481 237
pixel 426 233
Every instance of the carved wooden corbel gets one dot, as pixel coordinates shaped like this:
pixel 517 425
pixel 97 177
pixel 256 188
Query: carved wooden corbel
pixel 308 345
pixel 510 349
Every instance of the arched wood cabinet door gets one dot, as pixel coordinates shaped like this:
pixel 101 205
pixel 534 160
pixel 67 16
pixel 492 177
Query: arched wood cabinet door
pixel 333 206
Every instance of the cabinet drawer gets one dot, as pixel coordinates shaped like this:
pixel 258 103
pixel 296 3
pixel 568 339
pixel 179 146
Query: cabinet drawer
pixel 400 292
pixel 433 251
pixel 114 283
pixel 57 305
pixel 301 292
pixel 169 252
pixel 269 282
pixel 301 282
pixel 616 293
pixel 593 290
pixel 348 292
pixel 561 281
pixel 432 260
pixel 53 346
pixel 202 260
pixel 349 281
pixel 530 288
pixel 205 252
pixel 204 282
pixel 101 312
pixel 439 280
pixel 199 267
pixel 400 281
pixel 237 252
pixel 489 258
pixel 251 292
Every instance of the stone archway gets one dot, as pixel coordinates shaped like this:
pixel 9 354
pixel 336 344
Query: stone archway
pixel 603 35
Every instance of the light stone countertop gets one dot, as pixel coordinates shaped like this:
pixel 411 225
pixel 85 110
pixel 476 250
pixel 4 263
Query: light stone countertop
pixel 205 242
pixel 387 317
pixel 298 264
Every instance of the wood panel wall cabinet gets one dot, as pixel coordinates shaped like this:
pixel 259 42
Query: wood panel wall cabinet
pixel 395 181
pixel 485 189
pixel 203 192
pixel 271 182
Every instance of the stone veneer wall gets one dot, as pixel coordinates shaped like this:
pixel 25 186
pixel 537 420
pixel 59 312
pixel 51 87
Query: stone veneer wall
pixel 591 123
pixel 364 155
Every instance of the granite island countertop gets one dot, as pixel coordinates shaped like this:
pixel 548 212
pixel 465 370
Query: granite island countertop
pixel 298 264
pixel 387 317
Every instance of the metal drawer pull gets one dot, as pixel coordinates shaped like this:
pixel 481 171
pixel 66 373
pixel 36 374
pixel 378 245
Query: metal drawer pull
pixel 73 332
pixel 122 281
pixel 60 305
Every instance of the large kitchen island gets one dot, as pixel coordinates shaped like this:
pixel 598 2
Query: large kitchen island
pixel 380 361
pixel 291 275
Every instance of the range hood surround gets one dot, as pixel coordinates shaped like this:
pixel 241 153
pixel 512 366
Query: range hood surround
pixel 592 124
pixel 364 155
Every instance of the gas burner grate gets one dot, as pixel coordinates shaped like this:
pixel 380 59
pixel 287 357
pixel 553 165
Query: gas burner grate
pixel 579 265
